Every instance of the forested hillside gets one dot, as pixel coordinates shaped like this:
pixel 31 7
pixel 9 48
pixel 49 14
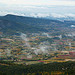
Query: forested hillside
pixel 8 68
pixel 15 23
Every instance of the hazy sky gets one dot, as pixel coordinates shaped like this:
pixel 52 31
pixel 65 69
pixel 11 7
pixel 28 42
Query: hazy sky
pixel 40 2
pixel 37 6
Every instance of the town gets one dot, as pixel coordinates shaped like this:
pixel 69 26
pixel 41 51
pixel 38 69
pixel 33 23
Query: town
pixel 35 48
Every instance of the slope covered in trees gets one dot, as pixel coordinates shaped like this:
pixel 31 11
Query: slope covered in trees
pixel 67 68
pixel 15 23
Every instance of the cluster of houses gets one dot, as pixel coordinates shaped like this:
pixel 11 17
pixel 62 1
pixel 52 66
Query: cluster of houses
pixel 35 48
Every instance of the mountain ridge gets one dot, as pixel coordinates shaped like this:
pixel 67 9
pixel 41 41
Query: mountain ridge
pixel 15 23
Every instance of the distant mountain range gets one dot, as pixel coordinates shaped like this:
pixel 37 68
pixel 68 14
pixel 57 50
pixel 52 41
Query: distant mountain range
pixel 12 23
pixel 66 18
pixel 54 16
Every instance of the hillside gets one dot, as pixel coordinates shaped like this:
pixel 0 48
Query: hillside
pixel 13 26
pixel 15 23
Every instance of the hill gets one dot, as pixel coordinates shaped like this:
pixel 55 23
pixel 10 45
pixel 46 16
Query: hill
pixel 15 23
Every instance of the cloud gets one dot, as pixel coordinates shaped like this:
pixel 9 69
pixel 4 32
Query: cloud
pixel 3 13
pixel 57 15
pixel 52 15
pixel 38 15
pixel 71 15
pixel 38 10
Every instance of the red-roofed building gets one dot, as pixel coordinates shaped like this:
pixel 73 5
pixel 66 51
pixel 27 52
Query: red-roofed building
pixel 72 53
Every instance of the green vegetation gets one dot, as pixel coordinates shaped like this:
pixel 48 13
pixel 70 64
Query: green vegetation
pixel 12 69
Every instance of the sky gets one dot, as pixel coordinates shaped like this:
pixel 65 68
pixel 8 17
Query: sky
pixel 39 7
pixel 39 2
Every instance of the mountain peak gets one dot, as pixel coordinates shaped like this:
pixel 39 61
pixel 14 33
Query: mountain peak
pixel 10 15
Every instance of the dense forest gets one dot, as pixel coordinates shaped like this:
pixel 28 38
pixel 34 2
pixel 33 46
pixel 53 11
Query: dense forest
pixel 66 68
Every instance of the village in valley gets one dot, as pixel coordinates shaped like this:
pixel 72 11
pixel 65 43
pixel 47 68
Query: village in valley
pixel 35 48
